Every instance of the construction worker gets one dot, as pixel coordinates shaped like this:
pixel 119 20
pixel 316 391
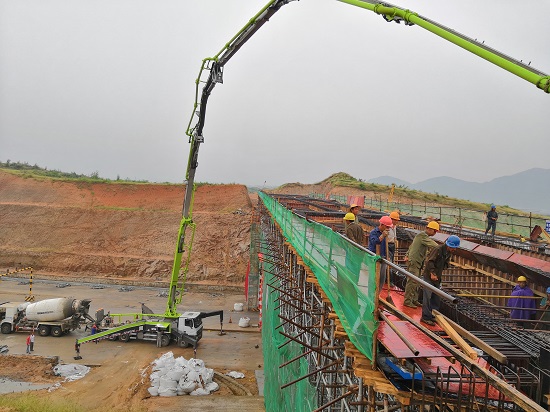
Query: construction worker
pixel 522 309
pixel 545 316
pixel 355 209
pixel 437 260
pixel 377 243
pixel 347 282
pixel 392 234
pixel 492 217
pixel 414 258
pixel 77 350
pixel 354 231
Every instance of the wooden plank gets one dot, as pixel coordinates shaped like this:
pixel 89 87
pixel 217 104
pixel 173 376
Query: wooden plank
pixel 499 356
pixel 453 334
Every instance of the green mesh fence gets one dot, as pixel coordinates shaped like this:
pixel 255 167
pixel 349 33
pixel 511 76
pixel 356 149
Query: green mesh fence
pixel 301 396
pixel 345 273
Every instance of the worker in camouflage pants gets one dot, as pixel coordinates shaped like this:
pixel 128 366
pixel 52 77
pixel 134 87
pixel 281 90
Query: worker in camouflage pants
pixel 415 261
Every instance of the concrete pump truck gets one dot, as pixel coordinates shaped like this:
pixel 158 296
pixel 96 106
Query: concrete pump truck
pixel 186 328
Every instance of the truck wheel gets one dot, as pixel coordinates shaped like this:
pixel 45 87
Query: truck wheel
pixel 43 330
pixel 5 328
pixel 164 340
pixel 124 336
pixel 112 337
pixel 57 331
pixel 183 344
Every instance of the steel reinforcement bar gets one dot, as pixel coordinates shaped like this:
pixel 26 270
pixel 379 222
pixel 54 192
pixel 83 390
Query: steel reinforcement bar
pixel 327 372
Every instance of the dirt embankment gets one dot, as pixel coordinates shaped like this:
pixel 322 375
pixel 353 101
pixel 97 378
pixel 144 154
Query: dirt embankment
pixel 120 230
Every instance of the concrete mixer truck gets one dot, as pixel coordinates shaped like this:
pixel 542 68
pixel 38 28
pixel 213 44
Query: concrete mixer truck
pixel 51 316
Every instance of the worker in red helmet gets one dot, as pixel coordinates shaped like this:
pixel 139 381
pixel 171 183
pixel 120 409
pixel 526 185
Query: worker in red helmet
pixel 377 243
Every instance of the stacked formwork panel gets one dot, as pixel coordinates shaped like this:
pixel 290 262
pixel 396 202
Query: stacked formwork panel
pixel 312 363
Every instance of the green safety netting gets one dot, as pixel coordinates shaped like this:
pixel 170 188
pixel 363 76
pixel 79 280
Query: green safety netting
pixel 345 272
pixel 301 396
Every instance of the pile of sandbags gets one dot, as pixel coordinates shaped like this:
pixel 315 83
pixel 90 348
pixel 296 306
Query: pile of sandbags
pixel 178 376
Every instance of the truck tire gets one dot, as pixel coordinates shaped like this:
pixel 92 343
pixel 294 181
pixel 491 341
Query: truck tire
pixel 182 343
pixel 5 328
pixel 112 337
pixel 124 336
pixel 164 340
pixel 43 330
pixel 57 331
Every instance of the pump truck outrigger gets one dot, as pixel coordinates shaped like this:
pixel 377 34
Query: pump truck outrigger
pixel 186 328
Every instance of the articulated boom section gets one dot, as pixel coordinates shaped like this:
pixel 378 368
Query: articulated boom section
pixel 181 247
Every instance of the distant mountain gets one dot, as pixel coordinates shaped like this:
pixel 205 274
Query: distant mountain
pixel 528 190
pixel 388 180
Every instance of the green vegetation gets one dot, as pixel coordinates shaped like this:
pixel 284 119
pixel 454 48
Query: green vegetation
pixel 26 170
pixel 25 402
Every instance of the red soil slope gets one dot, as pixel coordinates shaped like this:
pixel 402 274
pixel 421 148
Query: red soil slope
pixel 121 230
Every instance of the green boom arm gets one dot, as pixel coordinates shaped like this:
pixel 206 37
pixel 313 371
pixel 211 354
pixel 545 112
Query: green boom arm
pixel 212 70
pixel 393 13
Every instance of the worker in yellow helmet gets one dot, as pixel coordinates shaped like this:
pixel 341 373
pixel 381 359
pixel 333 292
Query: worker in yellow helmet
pixel 522 308
pixel 348 279
pixel 415 257
pixel 392 234
pixel 353 230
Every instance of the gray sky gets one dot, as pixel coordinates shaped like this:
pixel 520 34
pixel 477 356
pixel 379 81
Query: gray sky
pixel 324 87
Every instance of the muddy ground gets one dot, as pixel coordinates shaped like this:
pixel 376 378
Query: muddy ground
pixel 115 381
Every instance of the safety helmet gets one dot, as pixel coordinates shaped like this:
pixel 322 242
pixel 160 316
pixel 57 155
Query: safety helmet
pixel 394 215
pixel 353 205
pixel 433 225
pixel 493 207
pixel 522 279
pixel 386 221
pixel 548 289
pixel 349 216
pixel 453 241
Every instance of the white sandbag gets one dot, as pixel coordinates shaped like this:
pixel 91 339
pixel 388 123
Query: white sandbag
pixel 212 387
pixel 180 392
pixel 244 322
pixel 153 390
pixel 165 360
pixel 235 375
pixel 238 307
pixel 192 376
pixel 199 392
pixel 175 373
pixel 207 375
pixel 187 387
pixel 181 361
pixel 167 383
pixel 186 370
pixel 197 363
pixel 167 392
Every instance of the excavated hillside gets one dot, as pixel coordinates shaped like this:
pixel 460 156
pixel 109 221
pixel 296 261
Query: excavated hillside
pixel 128 231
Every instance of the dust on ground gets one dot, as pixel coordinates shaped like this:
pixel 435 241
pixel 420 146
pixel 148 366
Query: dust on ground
pixel 118 379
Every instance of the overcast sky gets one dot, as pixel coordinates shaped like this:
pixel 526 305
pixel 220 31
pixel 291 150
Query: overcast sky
pixel 324 87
